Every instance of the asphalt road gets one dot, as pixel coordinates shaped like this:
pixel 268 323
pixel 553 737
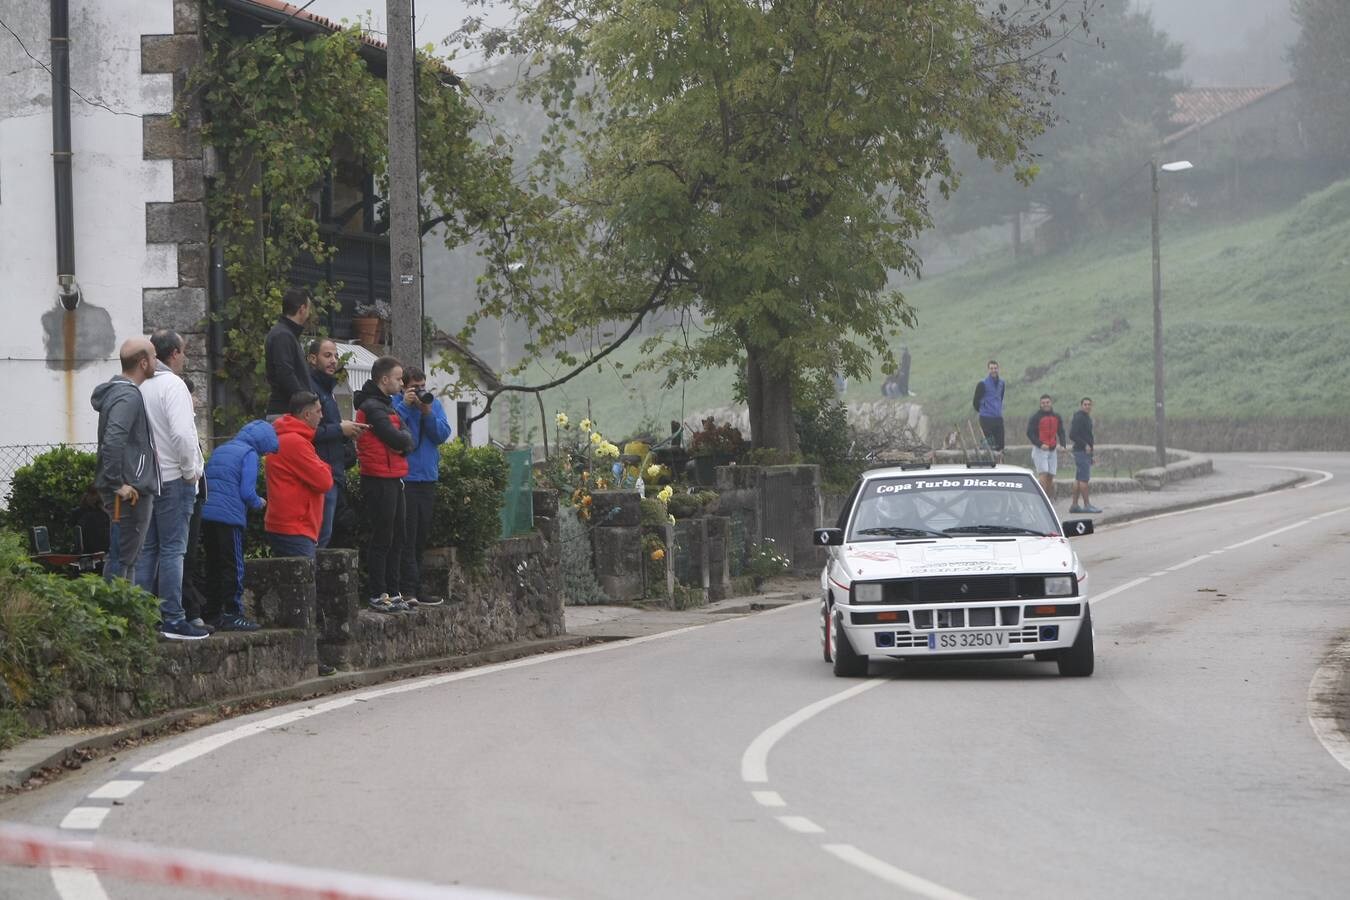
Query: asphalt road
pixel 1187 766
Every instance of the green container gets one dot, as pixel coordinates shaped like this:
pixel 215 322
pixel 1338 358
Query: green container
pixel 518 504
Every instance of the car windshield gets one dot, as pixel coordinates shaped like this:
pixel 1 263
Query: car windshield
pixel 947 506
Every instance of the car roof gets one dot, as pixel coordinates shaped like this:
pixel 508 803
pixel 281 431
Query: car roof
pixel 926 471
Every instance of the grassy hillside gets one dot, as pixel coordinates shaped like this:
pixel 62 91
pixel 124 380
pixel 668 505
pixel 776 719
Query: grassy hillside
pixel 1256 321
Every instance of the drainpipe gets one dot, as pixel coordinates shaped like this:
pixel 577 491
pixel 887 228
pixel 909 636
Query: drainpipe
pixel 68 291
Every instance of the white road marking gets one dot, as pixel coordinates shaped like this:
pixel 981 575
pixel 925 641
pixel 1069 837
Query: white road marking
pixel 78 884
pixel 85 818
pixel 1120 588
pixel 801 825
pixel 1322 704
pixel 1268 534
pixel 768 798
pixel 1326 476
pixel 890 874
pixel 1157 574
pixel 1190 562
pixel 754 762
pixel 116 790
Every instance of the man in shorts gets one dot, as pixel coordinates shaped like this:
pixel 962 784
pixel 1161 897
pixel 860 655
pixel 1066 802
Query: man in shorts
pixel 1045 431
pixel 1080 434
pixel 988 404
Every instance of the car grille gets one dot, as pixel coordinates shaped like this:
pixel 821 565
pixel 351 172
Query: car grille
pixel 973 617
pixel 958 590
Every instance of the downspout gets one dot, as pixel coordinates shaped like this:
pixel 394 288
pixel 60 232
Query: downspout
pixel 68 290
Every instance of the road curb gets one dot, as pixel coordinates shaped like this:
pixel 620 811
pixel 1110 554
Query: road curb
pixel 1120 518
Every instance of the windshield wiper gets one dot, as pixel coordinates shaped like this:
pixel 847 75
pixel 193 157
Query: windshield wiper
pixel 993 529
pixel 898 531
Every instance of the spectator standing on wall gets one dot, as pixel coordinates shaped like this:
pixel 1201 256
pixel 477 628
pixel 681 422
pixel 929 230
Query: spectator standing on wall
pixel 284 360
pixel 332 435
pixel 233 470
pixel 168 405
pixel 429 428
pixel 382 454
pixel 1080 433
pixel 1045 431
pixel 296 481
pixel 127 475
pixel 988 404
pixel 194 601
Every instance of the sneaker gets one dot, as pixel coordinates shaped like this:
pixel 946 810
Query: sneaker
pixel 182 631
pixel 412 602
pixel 430 601
pixel 325 669
pixel 1091 509
pixel 382 604
pixel 399 605
pixel 232 622
pixel 1076 509
pixel 200 623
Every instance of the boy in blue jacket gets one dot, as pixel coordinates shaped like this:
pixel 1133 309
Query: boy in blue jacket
pixel 233 473
pixel 429 428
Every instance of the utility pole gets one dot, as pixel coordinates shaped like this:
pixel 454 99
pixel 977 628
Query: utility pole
pixel 1159 418
pixel 405 232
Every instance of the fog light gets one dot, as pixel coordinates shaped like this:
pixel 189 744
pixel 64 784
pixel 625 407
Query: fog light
pixel 885 638
pixel 1049 632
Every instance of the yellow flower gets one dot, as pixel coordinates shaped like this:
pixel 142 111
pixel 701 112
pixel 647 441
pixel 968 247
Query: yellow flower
pixel 600 484
pixel 597 438
pixel 587 424
pixel 658 554
pixel 653 471
pixel 671 519
pixel 665 494
pixel 561 419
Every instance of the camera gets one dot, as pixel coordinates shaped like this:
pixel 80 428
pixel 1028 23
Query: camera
pixel 426 397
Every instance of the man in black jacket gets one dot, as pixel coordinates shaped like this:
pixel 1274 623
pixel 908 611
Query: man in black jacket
pixel 332 435
pixel 1080 433
pixel 287 371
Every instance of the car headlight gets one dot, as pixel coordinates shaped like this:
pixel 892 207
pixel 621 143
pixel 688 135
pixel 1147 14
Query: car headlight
pixel 1059 586
pixel 867 593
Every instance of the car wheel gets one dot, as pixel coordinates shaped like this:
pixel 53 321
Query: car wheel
pixel 826 631
pixel 1077 661
pixel 847 662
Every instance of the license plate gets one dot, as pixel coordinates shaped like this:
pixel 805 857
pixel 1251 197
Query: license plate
pixel 967 640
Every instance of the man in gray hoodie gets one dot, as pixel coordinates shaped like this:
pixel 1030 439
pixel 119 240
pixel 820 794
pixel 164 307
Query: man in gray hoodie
pixel 127 474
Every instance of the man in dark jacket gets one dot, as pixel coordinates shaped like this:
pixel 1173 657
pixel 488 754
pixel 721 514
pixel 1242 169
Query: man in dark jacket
pixel 287 372
pixel 332 435
pixel 1080 432
pixel 988 404
pixel 1045 431
pixel 382 452
pixel 127 474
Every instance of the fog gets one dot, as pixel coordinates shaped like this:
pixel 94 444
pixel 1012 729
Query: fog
pixel 1229 42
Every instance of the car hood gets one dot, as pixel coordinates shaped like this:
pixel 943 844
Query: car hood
pixel 880 560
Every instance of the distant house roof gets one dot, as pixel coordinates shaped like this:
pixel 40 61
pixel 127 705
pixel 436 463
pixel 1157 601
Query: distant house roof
pixel 1194 109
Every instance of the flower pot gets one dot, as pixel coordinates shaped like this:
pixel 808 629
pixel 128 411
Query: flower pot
pixel 366 330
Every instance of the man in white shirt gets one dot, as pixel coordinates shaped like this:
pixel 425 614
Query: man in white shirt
pixel 168 406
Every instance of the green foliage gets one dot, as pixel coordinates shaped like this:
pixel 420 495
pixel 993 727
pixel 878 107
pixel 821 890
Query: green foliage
pixel 47 491
pixel 61 635
pixel 652 512
pixel 579 585
pixel 826 440
pixel 1321 63
pixel 684 506
pixel 759 168
pixel 765 561
pixel 655 560
pixel 717 440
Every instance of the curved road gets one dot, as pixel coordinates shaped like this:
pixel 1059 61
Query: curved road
pixel 726 761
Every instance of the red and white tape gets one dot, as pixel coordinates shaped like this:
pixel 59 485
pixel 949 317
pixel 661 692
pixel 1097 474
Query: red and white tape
pixel 26 845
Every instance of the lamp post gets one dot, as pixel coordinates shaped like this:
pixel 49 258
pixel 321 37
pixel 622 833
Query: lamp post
pixel 1159 416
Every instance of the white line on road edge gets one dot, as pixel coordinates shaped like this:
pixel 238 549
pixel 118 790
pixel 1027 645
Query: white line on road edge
pixel 755 760
pixel 116 790
pixel 219 873
pixel 1326 476
pixel 889 873
pixel 1324 694
pixel 85 818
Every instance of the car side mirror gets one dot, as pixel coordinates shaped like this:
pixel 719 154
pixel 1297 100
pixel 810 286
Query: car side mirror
pixel 829 537
pixel 1077 527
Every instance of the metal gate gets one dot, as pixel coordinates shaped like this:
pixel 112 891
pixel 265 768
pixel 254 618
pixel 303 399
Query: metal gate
pixel 778 509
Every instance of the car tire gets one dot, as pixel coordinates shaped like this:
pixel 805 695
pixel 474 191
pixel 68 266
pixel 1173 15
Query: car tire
pixel 826 631
pixel 1078 661
pixel 847 662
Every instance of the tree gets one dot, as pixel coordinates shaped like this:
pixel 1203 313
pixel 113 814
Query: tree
pixel 759 167
pixel 1116 98
pixel 1321 60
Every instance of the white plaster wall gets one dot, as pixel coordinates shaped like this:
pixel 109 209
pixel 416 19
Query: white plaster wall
pixel 112 184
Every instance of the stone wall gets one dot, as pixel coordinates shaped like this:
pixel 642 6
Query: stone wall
pixel 782 503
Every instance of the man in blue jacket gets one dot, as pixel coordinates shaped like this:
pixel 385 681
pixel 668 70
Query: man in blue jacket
pixel 426 421
pixel 988 405
pixel 333 433
pixel 233 473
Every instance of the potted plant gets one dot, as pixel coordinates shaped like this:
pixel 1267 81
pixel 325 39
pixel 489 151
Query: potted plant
pixel 715 445
pixel 366 322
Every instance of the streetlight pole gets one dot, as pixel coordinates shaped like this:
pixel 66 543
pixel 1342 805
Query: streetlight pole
pixel 1159 417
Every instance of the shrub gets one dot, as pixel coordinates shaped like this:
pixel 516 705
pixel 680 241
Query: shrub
pixel 47 491
pixel 62 635
pixel 717 440
pixel 765 561
pixel 579 585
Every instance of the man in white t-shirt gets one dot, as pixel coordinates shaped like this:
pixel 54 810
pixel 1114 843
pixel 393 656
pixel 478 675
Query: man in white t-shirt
pixel 168 406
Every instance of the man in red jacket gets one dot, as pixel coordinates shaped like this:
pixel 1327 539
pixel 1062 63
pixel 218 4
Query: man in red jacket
pixel 382 451
pixel 296 481
pixel 1045 431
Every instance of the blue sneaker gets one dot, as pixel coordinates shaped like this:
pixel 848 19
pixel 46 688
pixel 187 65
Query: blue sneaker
pixel 1091 509
pixel 232 622
pixel 182 630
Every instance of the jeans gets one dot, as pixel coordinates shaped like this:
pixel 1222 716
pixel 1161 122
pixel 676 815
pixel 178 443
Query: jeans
pixel 126 536
pixel 291 545
pixel 330 502
pixel 419 498
pixel 160 567
pixel 224 569
pixel 385 512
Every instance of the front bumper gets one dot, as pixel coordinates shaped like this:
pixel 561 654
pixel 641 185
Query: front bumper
pixel 994 629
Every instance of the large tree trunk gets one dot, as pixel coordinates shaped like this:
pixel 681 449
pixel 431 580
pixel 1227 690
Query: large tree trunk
pixel 770 399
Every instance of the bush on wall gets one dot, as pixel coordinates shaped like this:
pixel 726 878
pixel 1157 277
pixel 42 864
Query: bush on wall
pixel 47 491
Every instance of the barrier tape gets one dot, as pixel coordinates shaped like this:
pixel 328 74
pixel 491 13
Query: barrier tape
pixel 26 845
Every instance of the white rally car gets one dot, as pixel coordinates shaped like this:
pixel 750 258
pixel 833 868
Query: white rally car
pixel 960 561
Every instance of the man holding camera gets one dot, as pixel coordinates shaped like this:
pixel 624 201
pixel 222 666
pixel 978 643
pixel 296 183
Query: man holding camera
pixel 419 409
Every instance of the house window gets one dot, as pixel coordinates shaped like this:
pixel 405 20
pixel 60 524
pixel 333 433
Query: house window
pixel 463 411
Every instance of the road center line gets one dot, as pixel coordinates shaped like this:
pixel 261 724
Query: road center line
pixel 768 798
pixel 755 760
pixel 1120 588
pixel 801 825
pixel 890 874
